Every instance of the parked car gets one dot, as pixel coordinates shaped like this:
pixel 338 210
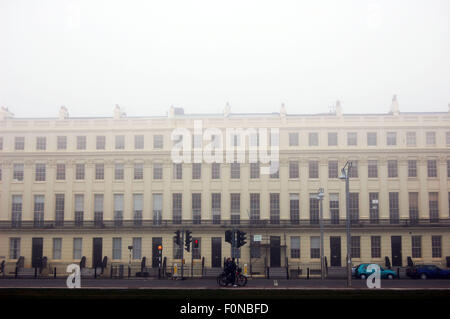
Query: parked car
pixel 427 271
pixel 362 272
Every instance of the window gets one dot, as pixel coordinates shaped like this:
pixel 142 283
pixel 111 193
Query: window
pixel 61 142
pixel 313 208
pixel 99 171
pixel 138 171
pixel 375 245
pixel 57 247
pixel 416 245
pixel 79 171
pixel 411 138
pixel 59 209
pixel 294 208
pixel 352 139
pixel 79 209
pixel 355 247
pixel 14 248
pixel 38 210
pixel 177 249
pixel 254 170
pixel 216 207
pixel 436 246
pixel 157 171
pixel 19 143
pixel 315 247
pixel 158 141
pixel 120 142
pixel 157 208
pixel 197 208
pixel 393 208
pixel 334 208
pixel 117 248
pixel 196 248
pixel 372 168
pixel 371 139
pixel 432 168
pixel 254 208
pixel 177 170
pixel 215 170
pixel 353 170
pixel 100 142
pixel 391 138
pixel 118 171
pixel 274 208
pixel 354 207
pixel 433 206
pixel 313 169
pixel 295 247
pixel 293 169
pixel 60 172
pixel 1 143
pixel 41 143
pixel 18 172
pixel 235 204
pixel 81 142
pixel 313 139
pixel 413 199
pixel 77 248
pixel 332 139
pixel 137 209
pixel 373 208
pixel 40 172
pixel 176 208
pixel 392 168
pixel 293 139
pixel 412 168
pixel 137 247
pixel 98 210
pixel 255 248
pixel 196 171
pixel 118 210
pixel 16 214
pixel 333 169
pixel 447 138
pixel 139 142
pixel 276 166
pixel 431 138
pixel 235 170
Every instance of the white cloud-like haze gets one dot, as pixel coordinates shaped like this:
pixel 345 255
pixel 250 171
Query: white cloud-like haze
pixel 200 54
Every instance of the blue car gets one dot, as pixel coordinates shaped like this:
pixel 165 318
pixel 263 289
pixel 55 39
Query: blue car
pixel 427 271
pixel 362 272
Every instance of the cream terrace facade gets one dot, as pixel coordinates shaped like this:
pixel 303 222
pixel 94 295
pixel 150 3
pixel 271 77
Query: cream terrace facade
pixel 91 187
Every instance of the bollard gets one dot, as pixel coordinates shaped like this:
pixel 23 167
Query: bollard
pixel 35 272
pixel 175 271
pixel 307 273
pixel 398 273
pixel 111 271
pixel 129 272
pixel 54 273
pixel 95 272
pixel 15 272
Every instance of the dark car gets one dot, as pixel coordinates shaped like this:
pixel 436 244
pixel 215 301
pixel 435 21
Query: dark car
pixel 427 271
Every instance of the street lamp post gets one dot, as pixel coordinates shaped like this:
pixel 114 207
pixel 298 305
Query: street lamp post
pixel 345 176
pixel 322 259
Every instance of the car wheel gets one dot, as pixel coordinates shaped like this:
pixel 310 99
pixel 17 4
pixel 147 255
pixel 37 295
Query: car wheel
pixel 423 276
pixel 363 276
pixel 390 277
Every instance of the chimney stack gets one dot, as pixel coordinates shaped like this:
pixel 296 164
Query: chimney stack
pixel 338 108
pixel 227 110
pixel 283 110
pixel 118 112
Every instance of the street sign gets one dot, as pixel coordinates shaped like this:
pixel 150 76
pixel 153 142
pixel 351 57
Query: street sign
pixel 257 237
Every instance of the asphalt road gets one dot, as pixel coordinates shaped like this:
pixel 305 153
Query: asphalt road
pixel 211 284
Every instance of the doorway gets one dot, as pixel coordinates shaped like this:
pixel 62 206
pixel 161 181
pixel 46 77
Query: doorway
pixel 275 251
pixel 335 251
pixel 97 252
pixel 216 252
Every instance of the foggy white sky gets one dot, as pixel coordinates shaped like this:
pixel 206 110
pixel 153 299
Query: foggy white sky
pixel 199 54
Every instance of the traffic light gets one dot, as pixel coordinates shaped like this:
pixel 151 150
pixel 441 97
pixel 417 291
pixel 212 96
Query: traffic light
pixel 241 239
pixel 195 243
pixel 178 237
pixel 188 240
pixel 229 236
